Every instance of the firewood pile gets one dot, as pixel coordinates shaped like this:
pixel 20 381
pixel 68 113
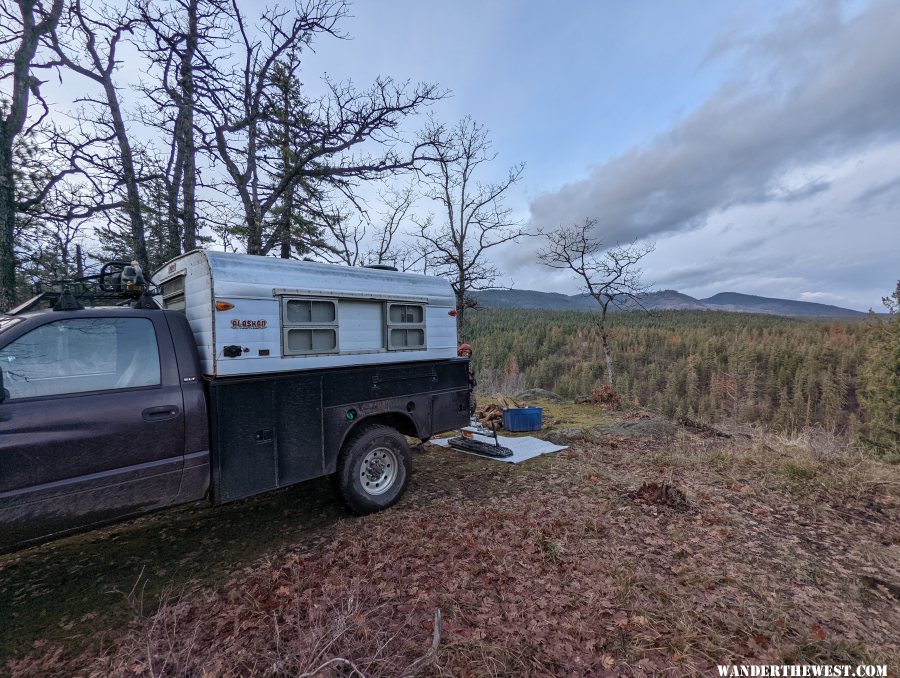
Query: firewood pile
pixel 491 416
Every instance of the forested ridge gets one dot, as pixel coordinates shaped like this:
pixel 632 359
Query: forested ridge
pixel 784 372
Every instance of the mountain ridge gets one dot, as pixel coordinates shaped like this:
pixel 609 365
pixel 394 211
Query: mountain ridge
pixel 671 300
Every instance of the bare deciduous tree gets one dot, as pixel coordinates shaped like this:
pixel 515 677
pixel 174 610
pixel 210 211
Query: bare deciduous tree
pixel 182 40
pixel 473 217
pixel 368 242
pixel 85 42
pixel 384 250
pixel 611 276
pixel 224 103
pixel 19 41
pixel 321 134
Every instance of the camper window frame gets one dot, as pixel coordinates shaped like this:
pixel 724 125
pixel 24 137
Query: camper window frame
pixel 389 326
pixel 181 294
pixel 287 326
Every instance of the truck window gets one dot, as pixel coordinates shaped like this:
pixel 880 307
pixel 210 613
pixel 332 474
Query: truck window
pixel 310 326
pixel 80 355
pixel 406 327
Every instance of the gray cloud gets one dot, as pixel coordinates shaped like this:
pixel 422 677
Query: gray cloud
pixel 822 86
pixel 887 192
pixel 687 276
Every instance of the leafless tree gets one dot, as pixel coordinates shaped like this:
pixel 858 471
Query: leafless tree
pixel 322 134
pixel 86 42
pixel 358 240
pixel 183 40
pixel 225 93
pixel 385 250
pixel 609 274
pixel 472 218
pixel 25 28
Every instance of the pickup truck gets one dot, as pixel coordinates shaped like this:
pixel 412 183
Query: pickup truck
pixel 110 412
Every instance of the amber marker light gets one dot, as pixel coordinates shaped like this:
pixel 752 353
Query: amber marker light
pixel 224 306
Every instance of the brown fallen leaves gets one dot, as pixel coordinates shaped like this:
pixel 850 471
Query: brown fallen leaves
pixel 606 398
pixel 663 494
pixel 550 568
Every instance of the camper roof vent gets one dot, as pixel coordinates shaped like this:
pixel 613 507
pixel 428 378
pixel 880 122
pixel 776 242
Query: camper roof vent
pixel 381 267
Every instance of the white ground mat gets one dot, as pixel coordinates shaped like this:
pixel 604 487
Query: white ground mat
pixel 524 448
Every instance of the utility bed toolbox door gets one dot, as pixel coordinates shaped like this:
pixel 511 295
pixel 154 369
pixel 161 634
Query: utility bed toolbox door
pixel 267 433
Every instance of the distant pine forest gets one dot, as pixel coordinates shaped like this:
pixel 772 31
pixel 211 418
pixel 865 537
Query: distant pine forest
pixel 786 373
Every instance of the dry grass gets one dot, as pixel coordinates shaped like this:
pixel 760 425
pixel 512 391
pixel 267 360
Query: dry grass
pixel 786 549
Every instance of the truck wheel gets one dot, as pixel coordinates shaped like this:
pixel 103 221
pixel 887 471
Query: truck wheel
pixel 373 469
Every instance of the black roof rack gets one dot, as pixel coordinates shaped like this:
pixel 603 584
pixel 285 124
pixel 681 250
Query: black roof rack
pixel 119 283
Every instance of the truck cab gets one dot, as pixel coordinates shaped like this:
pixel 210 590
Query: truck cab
pixel 102 416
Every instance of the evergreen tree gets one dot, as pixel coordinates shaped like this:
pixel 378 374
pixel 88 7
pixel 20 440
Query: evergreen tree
pixel 880 394
pixel 784 372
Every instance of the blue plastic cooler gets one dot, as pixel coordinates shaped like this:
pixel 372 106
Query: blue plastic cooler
pixel 518 419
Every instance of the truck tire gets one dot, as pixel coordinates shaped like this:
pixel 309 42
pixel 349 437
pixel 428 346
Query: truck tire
pixel 373 469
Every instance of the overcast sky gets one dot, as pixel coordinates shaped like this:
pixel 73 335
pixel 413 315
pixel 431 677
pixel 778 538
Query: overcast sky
pixel 757 143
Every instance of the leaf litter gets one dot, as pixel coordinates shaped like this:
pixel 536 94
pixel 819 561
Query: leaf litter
pixel 617 557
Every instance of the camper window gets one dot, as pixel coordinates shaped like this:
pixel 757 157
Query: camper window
pixel 406 327
pixel 310 326
pixel 172 291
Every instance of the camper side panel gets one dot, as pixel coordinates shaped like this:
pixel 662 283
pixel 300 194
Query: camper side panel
pixel 360 336
pixel 186 285
pixel 356 316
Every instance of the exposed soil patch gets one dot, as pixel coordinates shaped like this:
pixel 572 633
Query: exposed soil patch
pixel 637 415
pixel 642 428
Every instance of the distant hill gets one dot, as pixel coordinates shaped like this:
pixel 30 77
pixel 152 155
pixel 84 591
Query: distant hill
pixel 734 301
pixel 532 299
pixel 665 300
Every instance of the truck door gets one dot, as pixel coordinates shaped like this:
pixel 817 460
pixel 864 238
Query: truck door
pixel 92 427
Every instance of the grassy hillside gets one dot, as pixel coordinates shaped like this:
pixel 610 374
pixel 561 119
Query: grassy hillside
pixel 649 547
pixel 785 372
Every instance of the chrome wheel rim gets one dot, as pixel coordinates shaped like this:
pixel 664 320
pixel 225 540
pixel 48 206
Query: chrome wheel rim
pixel 378 470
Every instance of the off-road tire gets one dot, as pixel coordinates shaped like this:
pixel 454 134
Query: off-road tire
pixel 373 469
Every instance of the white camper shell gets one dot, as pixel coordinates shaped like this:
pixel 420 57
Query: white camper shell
pixel 253 315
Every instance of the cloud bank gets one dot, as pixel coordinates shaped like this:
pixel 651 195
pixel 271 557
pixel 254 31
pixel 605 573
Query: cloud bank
pixel 820 88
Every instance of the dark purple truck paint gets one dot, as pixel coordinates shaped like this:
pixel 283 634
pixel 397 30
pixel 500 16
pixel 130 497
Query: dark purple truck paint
pixel 75 460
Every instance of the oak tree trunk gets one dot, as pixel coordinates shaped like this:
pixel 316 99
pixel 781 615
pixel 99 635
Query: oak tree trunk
pixel 11 125
pixel 607 352
pixel 7 234
pixel 187 132
pixel 129 177
pixel 607 347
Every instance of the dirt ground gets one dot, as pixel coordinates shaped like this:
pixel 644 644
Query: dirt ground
pixel 663 551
